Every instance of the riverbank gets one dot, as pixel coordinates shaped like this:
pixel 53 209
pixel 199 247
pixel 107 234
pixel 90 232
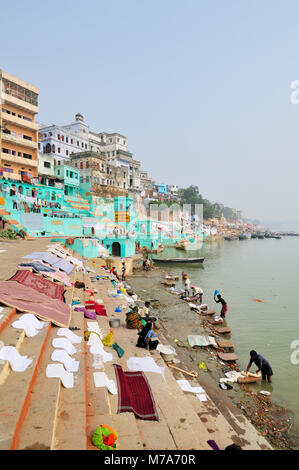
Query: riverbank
pixel 271 420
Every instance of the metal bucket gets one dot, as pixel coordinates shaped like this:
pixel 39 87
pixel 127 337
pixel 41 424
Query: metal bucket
pixel 114 322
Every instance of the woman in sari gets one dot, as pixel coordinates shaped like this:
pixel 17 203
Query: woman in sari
pixel 145 335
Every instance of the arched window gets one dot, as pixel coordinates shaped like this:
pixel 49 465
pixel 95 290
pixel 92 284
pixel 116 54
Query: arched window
pixel 53 148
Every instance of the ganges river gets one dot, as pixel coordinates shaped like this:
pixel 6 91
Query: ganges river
pixel 243 270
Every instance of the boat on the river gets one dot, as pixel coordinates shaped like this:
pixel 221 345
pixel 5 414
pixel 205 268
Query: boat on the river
pixel 179 260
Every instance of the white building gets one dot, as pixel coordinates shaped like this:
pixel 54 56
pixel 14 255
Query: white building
pixel 62 141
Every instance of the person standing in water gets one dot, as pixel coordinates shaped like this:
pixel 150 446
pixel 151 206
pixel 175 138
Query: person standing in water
pixel 224 305
pixel 262 364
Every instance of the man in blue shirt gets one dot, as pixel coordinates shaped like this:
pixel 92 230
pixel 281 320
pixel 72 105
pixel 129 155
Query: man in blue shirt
pixel 262 364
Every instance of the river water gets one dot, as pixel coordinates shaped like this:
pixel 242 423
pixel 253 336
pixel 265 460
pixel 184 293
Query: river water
pixel 243 270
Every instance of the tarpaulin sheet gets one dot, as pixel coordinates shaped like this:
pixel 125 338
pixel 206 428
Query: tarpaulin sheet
pixel 37 266
pixel 29 300
pixel 64 266
pixel 39 284
pixel 43 255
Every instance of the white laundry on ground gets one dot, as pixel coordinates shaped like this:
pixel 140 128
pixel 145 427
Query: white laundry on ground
pixel 59 372
pixel 60 355
pixel 65 344
pixel 101 380
pixel 30 324
pixel 17 362
pixel 72 337
pixel 144 364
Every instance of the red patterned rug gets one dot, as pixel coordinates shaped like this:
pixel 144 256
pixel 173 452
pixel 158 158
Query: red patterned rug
pixel 38 283
pixel 134 394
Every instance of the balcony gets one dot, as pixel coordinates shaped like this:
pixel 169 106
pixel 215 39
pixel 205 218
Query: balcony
pixel 19 160
pixel 19 141
pixel 19 121
pixel 19 103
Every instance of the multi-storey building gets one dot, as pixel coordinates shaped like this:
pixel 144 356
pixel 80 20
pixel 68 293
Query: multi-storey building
pixel 114 146
pixel 18 129
pixel 60 141
pixel 96 173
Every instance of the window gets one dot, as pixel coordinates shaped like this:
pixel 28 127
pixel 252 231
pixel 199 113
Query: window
pixel 59 162
pixel 27 155
pixel 58 149
pixel 87 179
pixel 81 179
pixel 66 152
pixel 86 146
pixel 20 154
pixel 47 164
pixel 67 140
pixel 58 171
pixel 110 140
pixel 13 152
pixel 78 145
pixel 82 144
pixel 5 151
pixel 71 141
pixel 27 137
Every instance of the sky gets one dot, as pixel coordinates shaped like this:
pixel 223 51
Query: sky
pixel 202 90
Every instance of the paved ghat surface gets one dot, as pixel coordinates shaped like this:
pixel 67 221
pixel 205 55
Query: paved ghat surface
pixel 37 412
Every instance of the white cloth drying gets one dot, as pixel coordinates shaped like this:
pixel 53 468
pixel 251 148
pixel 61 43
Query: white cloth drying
pixel 17 362
pixel 60 355
pixel 59 372
pixel 199 391
pixel 65 344
pixel 145 364
pixel 101 380
pixel 72 337
pixel 30 324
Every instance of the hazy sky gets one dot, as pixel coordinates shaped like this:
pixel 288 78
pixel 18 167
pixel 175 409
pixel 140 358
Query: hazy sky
pixel 200 88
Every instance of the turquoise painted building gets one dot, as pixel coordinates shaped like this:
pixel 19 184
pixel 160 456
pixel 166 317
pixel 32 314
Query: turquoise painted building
pixel 71 177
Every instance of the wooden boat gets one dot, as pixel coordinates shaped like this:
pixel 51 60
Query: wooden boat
pixel 242 237
pixel 179 260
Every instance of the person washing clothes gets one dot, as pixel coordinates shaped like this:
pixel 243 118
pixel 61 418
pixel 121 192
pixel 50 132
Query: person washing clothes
pixel 262 364
pixel 145 335
pixel 223 303
pixel 187 286
pixel 197 293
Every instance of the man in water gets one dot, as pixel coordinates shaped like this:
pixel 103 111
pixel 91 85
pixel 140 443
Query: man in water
pixel 262 364
pixel 224 305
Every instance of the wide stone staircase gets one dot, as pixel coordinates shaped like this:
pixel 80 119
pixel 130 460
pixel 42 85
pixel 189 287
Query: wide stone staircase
pixel 37 412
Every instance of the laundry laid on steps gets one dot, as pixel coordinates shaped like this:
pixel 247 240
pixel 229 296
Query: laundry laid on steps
pixel 65 344
pixel 70 364
pixel 101 380
pixel 30 324
pixel 58 371
pixel 17 362
pixel 135 395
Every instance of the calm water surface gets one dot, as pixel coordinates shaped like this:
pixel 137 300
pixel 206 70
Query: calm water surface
pixel 263 269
